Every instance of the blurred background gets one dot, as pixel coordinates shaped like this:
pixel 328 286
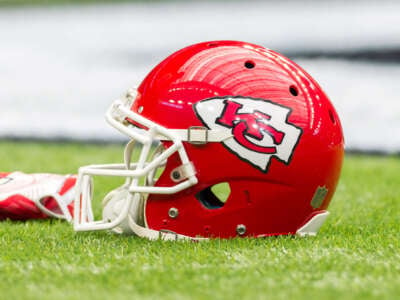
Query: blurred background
pixel 62 63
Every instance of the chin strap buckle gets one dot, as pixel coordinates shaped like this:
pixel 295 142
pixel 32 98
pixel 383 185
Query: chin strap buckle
pixel 197 135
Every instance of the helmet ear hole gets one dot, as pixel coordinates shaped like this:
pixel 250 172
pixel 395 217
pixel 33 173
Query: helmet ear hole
pixel 215 196
pixel 221 191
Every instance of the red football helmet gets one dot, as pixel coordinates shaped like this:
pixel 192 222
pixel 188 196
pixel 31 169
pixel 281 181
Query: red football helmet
pixel 228 115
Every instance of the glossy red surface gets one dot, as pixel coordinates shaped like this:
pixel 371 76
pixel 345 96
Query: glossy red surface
pixel 267 203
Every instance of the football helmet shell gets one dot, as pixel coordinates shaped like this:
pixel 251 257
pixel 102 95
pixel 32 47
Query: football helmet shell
pixel 225 112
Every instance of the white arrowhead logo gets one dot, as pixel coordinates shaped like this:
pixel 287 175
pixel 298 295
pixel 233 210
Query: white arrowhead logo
pixel 259 128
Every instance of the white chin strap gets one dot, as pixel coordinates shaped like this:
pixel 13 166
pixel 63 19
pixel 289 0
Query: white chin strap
pixel 159 235
pixel 152 234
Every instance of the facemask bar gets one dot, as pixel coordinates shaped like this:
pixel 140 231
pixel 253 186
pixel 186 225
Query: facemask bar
pixel 116 116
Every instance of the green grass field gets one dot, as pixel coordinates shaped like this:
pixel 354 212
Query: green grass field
pixel 355 256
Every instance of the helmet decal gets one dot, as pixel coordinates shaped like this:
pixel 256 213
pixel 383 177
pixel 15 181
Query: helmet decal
pixel 259 127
